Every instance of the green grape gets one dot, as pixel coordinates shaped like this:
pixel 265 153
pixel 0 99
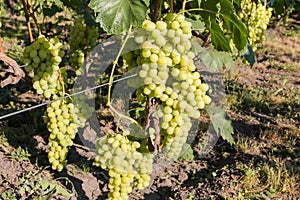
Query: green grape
pixel 166 57
pixel 82 38
pixel 43 64
pixel 63 120
pixel 115 153
pixel 256 16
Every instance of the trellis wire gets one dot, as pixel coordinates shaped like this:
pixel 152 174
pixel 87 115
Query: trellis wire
pixel 76 93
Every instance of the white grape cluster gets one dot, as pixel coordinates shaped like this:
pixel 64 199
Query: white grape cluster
pixel 256 17
pixel 42 58
pixel 169 74
pixel 125 165
pixel 63 119
pixel 82 38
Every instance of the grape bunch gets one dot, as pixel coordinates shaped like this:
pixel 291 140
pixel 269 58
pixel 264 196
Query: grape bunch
pixel 42 58
pixel 169 74
pixel 82 37
pixel 256 17
pixel 63 119
pixel 125 164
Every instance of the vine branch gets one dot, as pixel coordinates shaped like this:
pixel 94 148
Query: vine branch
pixel 152 121
pixel 156 10
pixel 111 79
pixel 27 16
pixel 14 68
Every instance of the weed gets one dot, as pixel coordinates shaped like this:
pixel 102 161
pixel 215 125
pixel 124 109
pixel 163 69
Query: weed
pixel 20 154
pixel 85 168
pixel 32 186
pixel 247 145
pixel 266 180
pixel 8 195
pixel 4 145
pixel 191 197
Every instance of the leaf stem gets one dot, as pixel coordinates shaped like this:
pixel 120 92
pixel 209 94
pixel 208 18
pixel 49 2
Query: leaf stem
pixel 183 6
pixel 115 62
pixel 201 9
pixel 111 79
pixel 122 116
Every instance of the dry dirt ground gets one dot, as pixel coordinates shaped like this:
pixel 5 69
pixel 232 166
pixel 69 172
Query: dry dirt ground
pixel 262 101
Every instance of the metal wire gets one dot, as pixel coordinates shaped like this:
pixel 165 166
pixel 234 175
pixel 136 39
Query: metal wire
pixel 76 93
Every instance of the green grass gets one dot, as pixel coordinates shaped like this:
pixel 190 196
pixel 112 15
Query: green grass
pixel 266 180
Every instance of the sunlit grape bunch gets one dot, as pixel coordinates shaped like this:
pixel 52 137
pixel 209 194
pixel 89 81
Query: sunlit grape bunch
pixel 42 58
pixel 125 164
pixel 82 39
pixel 168 73
pixel 63 119
pixel 256 17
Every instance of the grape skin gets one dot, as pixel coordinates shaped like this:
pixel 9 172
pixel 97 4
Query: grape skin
pixel 43 62
pixel 167 46
pixel 78 43
pixel 63 118
pixel 257 17
pixel 124 163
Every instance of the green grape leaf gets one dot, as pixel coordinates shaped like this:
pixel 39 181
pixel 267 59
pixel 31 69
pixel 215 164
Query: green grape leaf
pixel 187 152
pixel 197 24
pixel 62 191
pixel 218 38
pixel 54 188
pixel 116 16
pixel 210 14
pixel 234 24
pixel 212 59
pixel 279 6
pixel 221 122
pixel 58 3
pixel 216 60
pixel 249 55
pixel 51 11
pixel 147 2
pixel 221 20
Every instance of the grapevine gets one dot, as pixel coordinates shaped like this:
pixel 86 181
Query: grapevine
pixel 170 79
pixel 156 112
pixel 256 16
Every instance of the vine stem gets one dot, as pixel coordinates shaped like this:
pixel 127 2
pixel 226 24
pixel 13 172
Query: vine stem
pixel 183 6
pixel 111 79
pixel 171 3
pixel 115 62
pixel 27 16
pixel 156 9
pixel 201 9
